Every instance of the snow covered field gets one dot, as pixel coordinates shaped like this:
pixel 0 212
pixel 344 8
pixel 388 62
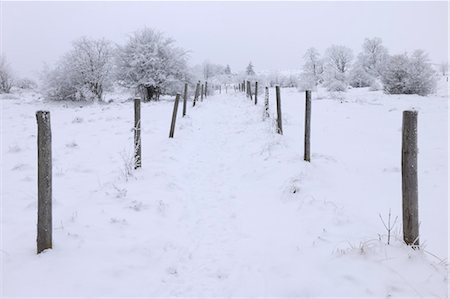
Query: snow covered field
pixel 228 207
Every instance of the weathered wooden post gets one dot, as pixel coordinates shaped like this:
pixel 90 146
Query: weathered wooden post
pixel 266 104
pixel 185 98
pixel 44 144
pixel 202 93
pixel 256 92
pixel 279 116
pixel 250 91
pixel 137 134
pixel 206 89
pixel 243 86
pixel 409 179
pixel 197 89
pixel 307 152
pixel 174 116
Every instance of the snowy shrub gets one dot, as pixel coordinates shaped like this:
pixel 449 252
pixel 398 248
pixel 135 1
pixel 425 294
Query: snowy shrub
pixel 421 75
pixel 6 80
pixel 338 60
pixel 150 58
pixel 337 85
pixel 82 74
pixel 358 77
pixel 409 75
pixel 25 83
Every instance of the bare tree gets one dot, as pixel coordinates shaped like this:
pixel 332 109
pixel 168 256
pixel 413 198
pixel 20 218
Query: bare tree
pixel 6 80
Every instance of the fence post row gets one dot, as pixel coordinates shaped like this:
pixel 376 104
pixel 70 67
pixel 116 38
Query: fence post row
pixel 44 144
pixel 307 150
pixel 266 104
pixel 256 92
pixel 185 98
pixel 409 179
pixel 137 134
pixel 174 116
pixel 279 116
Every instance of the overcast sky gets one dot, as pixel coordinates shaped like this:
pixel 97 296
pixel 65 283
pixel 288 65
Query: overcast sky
pixel 273 35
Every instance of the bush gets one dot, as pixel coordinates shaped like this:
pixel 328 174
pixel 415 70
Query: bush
pixel 26 83
pixel 358 77
pixel 6 81
pixel 409 75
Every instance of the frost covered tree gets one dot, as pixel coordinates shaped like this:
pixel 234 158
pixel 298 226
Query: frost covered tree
pixel 312 69
pixel 227 70
pixel 6 80
pixel 83 73
pixel 150 58
pixel 373 57
pixel 338 60
pixel 370 64
pixel 249 71
pixel 359 77
pixel 421 75
pixel 409 75
pixel 443 68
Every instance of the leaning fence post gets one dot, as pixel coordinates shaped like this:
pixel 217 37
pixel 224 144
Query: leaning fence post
pixel 185 98
pixel 307 152
pixel 202 93
pixel 197 89
pixel 266 104
pixel 44 144
pixel 409 179
pixel 174 116
pixel 279 117
pixel 256 92
pixel 137 134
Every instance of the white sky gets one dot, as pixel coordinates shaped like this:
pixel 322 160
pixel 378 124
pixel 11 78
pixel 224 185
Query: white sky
pixel 273 35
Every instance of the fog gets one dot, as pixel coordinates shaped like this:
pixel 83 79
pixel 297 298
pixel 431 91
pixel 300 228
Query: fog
pixel 273 35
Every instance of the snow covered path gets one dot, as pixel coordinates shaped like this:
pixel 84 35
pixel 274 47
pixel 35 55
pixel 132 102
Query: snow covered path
pixel 227 208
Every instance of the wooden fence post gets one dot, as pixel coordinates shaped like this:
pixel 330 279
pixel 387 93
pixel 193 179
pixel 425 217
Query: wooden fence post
pixel 202 93
pixel 206 89
pixel 137 134
pixel 266 104
pixel 197 89
pixel 256 92
pixel 174 116
pixel 409 179
pixel 250 91
pixel 279 116
pixel 307 151
pixel 185 98
pixel 44 144
pixel 243 86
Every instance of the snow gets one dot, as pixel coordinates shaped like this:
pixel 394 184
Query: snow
pixel 227 207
